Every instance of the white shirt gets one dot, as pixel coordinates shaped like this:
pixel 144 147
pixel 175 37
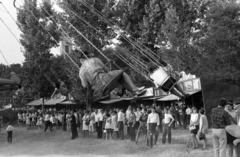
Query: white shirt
pixel 96 117
pixel 167 118
pixel 194 118
pixel 128 114
pixel 47 117
pixel 138 115
pixel 100 117
pixel 153 118
pixel 120 116
pixel 188 111
pixel 10 128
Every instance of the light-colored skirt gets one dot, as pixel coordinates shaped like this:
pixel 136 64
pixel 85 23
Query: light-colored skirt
pixel 85 127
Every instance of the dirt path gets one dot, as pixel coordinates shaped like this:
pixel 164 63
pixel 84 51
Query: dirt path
pixel 35 142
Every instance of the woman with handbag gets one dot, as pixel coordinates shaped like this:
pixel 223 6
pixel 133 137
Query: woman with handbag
pixel 86 122
pixel 203 128
pixel 194 127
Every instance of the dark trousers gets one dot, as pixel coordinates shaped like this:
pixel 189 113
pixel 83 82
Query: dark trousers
pixel 188 119
pixel 9 136
pixel 64 126
pixel 99 131
pixel 152 131
pixel 74 131
pixel 174 122
pixel 166 131
pixel 183 119
pixel 132 131
pixel 121 129
pixel 48 124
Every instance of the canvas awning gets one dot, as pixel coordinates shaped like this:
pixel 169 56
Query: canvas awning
pixel 35 102
pixel 169 97
pixel 172 97
pixel 154 98
pixel 54 101
pixel 114 100
pixel 67 103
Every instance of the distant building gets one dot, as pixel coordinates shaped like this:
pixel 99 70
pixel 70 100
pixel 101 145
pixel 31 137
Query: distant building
pixel 65 45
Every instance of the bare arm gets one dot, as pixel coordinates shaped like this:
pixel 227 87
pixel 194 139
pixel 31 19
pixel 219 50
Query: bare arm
pixel 171 120
pixel 83 80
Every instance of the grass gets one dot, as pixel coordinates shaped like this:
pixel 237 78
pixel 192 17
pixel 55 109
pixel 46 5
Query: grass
pixel 35 142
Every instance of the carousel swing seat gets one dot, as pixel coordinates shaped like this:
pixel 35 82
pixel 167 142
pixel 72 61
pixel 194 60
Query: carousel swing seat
pixel 111 81
pixel 163 80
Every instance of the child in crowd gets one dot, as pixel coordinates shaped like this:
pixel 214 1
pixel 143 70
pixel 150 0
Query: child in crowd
pixel 9 130
pixel 114 125
pixel 39 122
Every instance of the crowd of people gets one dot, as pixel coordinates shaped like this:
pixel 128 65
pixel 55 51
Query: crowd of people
pixel 109 124
pixel 149 121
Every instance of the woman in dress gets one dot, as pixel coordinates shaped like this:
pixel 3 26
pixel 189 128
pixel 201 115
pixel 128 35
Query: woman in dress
pixel 194 127
pixel 114 125
pixel 86 122
pixel 203 128
pixel 108 126
pixel 94 73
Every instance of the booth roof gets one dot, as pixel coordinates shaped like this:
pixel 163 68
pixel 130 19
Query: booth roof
pixel 35 102
pixel 67 103
pixel 54 101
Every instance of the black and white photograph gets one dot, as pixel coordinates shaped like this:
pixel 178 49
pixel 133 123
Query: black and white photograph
pixel 119 78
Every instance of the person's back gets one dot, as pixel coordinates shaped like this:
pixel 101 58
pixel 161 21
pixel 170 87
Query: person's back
pixel 220 119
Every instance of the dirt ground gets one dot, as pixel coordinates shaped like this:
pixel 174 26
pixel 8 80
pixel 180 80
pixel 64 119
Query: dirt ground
pixel 35 142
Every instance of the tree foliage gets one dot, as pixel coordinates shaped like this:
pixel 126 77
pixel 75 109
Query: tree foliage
pixel 201 37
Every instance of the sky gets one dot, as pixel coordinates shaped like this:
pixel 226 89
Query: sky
pixel 9 46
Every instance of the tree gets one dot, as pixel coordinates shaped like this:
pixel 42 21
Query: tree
pixel 39 35
pixel 220 45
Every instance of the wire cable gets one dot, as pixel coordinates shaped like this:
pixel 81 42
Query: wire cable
pixel 4 58
pixel 10 30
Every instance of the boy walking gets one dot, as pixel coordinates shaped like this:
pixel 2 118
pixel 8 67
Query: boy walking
pixel 9 130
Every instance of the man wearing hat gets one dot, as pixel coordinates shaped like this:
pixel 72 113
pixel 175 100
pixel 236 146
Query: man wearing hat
pixel 94 73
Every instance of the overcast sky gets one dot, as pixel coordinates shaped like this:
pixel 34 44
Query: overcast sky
pixel 8 44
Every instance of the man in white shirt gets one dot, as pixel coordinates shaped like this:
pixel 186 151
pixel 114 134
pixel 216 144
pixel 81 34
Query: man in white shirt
pixel 99 124
pixel 120 121
pixel 47 122
pixel 152 126
pixel 167 121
